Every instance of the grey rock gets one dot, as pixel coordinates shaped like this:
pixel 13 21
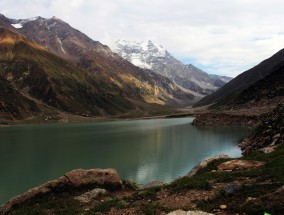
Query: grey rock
pixel 231 188
pixel 89 196
pixel 204 163
pixel 153 184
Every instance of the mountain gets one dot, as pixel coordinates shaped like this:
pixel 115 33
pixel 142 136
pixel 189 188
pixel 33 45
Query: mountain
pixel 147 55
pixel 85 81
pixel 247 85
pixel 77 48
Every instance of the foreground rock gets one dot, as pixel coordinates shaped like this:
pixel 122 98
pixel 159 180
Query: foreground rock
pixel 181 212
pixel 74 180
pixel 239 165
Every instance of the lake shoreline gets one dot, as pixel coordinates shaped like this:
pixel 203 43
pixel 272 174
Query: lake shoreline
pixel 82 119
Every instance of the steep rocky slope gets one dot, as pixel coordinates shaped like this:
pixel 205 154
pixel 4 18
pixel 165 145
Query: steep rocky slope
pixel 13 105
pixel 235 90
pixel 147 55
pixel 34 71
pixel 268 90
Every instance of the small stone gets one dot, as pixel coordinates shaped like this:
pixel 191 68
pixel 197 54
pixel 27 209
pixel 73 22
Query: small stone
pixel 223 207
pixel 276 136
pixel 249 199
pixel 268 149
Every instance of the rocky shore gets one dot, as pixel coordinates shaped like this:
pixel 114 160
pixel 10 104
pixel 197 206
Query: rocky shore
pixel 220 118
pixel 252 184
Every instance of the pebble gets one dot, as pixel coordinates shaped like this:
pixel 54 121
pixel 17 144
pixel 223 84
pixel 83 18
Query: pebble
pixel 223 207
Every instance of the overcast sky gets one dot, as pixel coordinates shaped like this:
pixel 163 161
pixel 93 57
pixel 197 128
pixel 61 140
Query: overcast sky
pixel 219 36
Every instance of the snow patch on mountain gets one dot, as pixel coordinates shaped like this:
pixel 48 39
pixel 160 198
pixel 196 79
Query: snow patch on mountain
pixel 18 25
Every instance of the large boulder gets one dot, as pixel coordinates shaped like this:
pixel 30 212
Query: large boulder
pixel 104 177
pixel 74 180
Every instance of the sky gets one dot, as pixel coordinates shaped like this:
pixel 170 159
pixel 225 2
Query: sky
pixel 224 37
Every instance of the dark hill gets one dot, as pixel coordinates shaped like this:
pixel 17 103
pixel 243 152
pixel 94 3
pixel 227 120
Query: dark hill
pixel 232 90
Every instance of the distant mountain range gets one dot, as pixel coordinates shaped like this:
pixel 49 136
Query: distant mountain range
pixel 261 84
pixel 58 65
pixel 147 55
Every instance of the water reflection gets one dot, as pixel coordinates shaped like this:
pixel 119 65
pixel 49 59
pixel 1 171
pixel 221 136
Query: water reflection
pixel 143 150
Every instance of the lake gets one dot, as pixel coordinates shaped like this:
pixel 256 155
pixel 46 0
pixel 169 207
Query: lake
pixel 141 150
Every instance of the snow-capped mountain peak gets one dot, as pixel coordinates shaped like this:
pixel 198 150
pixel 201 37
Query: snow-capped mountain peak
pixel 148 55
pixel 19 23
pixel 139 53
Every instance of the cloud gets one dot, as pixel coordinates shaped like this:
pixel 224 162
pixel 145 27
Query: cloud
pixel 224 37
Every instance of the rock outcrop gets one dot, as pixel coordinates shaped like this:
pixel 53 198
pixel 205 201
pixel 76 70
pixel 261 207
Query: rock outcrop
pixel 74 180
pixel 204 163
pixel 239 165
pixel 268 135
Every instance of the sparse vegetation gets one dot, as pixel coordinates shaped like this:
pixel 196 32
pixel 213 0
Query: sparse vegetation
pixel 129 184
pixel 43 206
pixel 153 209
pixel 106 206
